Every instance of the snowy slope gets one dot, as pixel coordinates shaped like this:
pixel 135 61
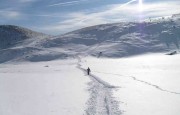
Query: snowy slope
pixel 113 40
pixel 11 35
pixel 123 39
pixel 18 42
pixel 57 84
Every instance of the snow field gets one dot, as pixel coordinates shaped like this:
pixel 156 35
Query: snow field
pixel 148 84
pixel 43 88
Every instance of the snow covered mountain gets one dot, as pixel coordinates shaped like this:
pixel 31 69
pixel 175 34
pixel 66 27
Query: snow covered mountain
pixel 123 39
pixel 109 40
pixel 17 42
pixel 11 35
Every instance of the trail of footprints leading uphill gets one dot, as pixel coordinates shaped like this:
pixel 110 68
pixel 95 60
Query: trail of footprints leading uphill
pixel 101 101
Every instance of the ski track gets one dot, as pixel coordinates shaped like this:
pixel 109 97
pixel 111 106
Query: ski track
pixel 147 83
pixel 101 101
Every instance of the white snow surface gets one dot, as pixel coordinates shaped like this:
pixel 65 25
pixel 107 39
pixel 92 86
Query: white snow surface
pixel 146 84
pixel 43 88
pixel 141 85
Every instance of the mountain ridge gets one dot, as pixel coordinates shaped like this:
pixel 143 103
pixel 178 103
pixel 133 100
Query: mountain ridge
pixel 11 35
pixel 110 40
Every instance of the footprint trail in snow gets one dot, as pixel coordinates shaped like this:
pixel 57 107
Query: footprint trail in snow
pixel 101 101
pixel 147 83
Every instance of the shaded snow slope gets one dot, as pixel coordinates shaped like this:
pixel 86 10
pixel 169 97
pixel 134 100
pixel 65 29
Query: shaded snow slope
pixel 11 35
pixel 18 42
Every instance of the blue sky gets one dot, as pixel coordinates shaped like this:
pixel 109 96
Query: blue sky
pixel 61 16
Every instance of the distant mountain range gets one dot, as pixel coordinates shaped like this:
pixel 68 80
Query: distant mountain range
pixel 111 40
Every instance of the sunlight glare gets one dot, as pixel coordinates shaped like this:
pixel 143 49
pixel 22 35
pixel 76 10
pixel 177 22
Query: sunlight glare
pixel 140 5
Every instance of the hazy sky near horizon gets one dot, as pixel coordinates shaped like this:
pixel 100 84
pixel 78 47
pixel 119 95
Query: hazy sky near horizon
pixel 60 16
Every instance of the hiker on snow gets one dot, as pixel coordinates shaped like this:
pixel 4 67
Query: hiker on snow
pixel 88 71
pixel 100 53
